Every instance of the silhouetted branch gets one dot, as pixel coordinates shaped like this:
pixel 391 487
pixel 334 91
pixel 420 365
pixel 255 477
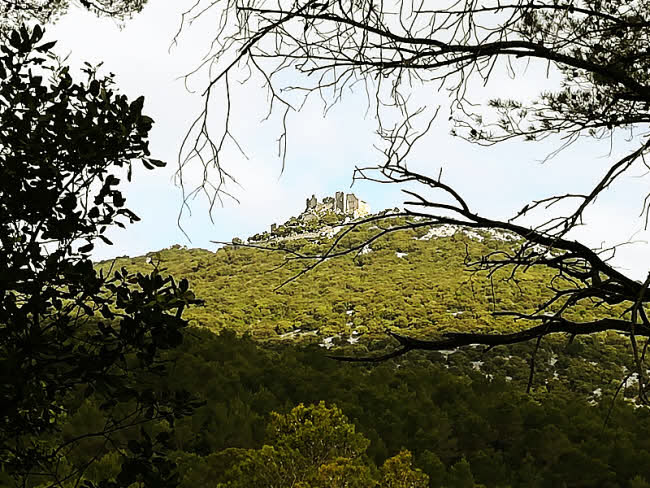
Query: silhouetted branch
pixel 452 340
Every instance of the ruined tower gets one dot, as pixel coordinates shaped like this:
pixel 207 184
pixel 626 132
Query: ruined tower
pixel 339 202
pixel 311 203
pixel 352 204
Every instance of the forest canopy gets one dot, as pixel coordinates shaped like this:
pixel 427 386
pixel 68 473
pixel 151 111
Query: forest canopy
pixel 109 378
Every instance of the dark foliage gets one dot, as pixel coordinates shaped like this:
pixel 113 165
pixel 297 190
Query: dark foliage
pixel 15 12
pixel 450 416
pixel 65 329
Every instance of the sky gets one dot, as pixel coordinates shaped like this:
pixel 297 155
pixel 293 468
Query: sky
pixel 322 150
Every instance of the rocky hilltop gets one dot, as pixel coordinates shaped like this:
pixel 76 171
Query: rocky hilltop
pixel 316 220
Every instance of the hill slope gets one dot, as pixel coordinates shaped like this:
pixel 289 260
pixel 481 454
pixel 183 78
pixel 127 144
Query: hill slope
pixel 464 414
pixel 414 281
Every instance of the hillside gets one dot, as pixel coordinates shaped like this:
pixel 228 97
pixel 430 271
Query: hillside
pixel 463 415
pixel 415 282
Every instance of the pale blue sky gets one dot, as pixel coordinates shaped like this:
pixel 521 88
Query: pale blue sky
pixel 322 151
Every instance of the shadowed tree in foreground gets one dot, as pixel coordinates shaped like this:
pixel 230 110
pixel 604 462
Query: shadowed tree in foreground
pixel 67 332
pixel 389 49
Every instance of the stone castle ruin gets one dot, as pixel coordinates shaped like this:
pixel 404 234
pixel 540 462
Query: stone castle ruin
pixel 345 205
pixel 341 203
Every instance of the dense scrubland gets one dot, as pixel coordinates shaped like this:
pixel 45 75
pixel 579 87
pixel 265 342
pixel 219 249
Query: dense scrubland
pixel 257 356
pixel 111 376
